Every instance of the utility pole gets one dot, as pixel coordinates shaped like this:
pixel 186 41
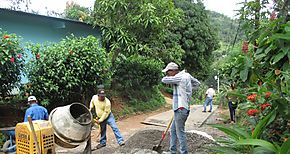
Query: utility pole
pixel 218 82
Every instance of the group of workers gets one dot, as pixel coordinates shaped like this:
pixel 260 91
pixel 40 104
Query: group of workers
pixel 182 83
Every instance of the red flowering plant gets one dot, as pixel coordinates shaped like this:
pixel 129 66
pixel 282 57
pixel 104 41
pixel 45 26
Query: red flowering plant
pixel 11 62
pixel 267 112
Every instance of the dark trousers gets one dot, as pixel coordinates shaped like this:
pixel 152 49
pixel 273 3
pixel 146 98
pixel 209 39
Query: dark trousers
pixel 232 111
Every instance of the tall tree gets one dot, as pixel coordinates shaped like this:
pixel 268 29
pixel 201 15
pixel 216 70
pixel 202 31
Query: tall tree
pixel 196 36
pixel 137 27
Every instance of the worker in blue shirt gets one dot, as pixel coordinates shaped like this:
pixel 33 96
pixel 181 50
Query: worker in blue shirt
pixel 35 111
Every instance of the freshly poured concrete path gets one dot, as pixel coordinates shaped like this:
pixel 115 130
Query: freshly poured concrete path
pixel 195 119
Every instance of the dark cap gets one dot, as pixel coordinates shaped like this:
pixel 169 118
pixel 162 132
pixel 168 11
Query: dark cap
pixel 101 93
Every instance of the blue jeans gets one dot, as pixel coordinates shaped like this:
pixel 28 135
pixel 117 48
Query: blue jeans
pixel 111 122
pixel 207 101
pixel 177 131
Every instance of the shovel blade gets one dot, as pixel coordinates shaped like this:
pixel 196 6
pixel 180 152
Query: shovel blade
pixel 157 148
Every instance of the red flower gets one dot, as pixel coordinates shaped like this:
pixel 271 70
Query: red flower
pixel 252 112
pixel 37 56
pixel 245 47
pixel 12 59
pixel 19 55
pixel 264 106
pixel 252 97
pixel 6 36
pixel 268 94
pixel 273 15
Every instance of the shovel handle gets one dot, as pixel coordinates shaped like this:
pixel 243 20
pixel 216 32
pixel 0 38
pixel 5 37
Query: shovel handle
pixel 34 134
pixel 166 130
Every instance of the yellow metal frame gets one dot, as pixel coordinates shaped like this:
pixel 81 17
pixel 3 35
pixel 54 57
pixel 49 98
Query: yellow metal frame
pixel 24 139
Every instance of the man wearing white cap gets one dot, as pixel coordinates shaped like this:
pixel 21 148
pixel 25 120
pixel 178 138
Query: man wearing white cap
pixel 182 83
pixel 35 111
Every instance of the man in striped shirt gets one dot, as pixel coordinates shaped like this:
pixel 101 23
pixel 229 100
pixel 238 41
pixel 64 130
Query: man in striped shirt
pixel 182 83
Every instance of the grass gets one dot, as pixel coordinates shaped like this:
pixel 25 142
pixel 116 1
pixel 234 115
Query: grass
pixel 153 100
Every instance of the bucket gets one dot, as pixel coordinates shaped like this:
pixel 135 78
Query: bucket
pixel 71 124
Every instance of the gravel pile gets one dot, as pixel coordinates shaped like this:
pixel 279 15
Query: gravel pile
pixel 143 141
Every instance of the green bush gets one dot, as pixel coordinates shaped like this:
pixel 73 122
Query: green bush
pixel 67 71
pixel 11 62
pixel 136 75
pixel 166 88
pixel 153 101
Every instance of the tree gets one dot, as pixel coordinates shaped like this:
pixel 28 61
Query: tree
pixel 11 62
pixel 196 36
pixel 136 27
pixel 76 12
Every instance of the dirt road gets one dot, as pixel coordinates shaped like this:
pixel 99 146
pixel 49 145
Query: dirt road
pixel 132 124
pixel 127 126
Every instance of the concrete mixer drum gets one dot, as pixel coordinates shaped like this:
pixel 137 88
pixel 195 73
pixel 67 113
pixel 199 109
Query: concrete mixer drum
pixel 71 124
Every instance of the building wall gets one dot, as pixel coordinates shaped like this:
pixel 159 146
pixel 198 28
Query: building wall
pixel 40 29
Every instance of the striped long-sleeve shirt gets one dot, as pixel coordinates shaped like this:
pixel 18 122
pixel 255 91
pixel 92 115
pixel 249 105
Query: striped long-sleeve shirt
pixel 183 83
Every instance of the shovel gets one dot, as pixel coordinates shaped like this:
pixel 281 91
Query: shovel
pixel 158 146
pixel 34 135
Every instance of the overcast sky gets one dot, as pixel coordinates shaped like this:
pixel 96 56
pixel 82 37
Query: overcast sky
pixel 225 7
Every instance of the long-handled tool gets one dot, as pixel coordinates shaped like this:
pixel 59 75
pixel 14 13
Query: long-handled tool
pixel 99 127
pixel 34 135
pixel 158 146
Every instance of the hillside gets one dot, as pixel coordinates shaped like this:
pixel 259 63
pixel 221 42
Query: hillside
pixel 226 27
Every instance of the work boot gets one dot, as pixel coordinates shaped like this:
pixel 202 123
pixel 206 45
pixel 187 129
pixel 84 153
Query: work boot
pixel 99 146
pixel 122 143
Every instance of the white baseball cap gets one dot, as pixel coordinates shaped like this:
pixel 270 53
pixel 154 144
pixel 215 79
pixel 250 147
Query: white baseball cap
pixel 170 66
pixel 31 98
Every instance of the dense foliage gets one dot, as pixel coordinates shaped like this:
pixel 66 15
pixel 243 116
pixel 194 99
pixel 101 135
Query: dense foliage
pixel 226 27
pixel 137 27
pixel 11 62
pixel 76 12
pixel 68 71
pixel 196 36
pixel 260 74
pixel 136 74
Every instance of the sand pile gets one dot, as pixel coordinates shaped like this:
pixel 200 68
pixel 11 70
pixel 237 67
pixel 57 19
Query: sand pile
pixel 143 141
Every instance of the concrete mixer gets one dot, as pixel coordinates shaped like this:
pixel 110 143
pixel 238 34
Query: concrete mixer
pixel 68 127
